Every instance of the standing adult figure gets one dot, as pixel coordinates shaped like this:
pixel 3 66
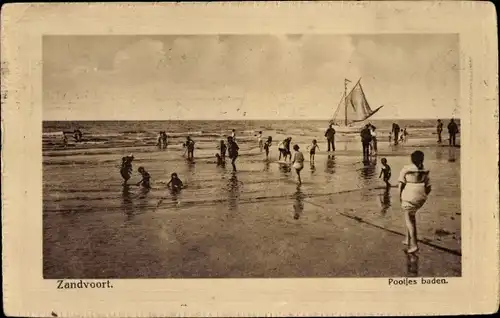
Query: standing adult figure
pixel 395 130
pixel 164 139
pixel 366 138
pixel 233 149
pixel 330 137
pixel 453 131
pixel 439 130
pixel 374 139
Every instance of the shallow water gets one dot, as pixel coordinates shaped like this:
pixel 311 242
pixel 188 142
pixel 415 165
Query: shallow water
pixel 89 215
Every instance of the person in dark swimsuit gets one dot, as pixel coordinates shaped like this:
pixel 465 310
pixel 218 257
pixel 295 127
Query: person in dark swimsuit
pixel 453 131
pixel 175 184
pixel 312 150
pixel 330 137
pixel 126 168
pixel 190 148
pixel 439 129
pixel 145 181
pixel 220 162
pixel 395 130
pixel 385 172
pixel 288 153
pixel 223 149
pixel 366 138
pixel 164 140
pixel 267 145
pixel 233 149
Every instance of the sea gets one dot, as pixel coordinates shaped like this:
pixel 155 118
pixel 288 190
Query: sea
pixel 121 134
pixel 91 219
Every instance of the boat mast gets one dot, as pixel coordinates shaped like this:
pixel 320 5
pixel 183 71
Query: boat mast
pixel 345 101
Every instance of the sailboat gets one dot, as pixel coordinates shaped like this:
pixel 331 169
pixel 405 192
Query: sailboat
pixel 353 110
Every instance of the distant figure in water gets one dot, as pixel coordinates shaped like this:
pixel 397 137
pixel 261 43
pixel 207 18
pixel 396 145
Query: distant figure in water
pixel 233 134
pixel 65 141
pixel 164 139
pixel 414 187
pixel 126 168
pixel 223 149
pixel 281 149
pixel 390 137
pixel 366 138
pixel 330 137
pixel 298 161
pixel 373 143
pixel 284 148
pixel 189 144
pixel 287 143
pixel 220 162
pixel 404 136
pixel 453 131
pixel 312 150
pixel 267 145
pixel 175 184
pixel 385 172
pixel 145 181
pixel 232 148
pixel 439 130
pixel 159 141
pixel 77 134
pixel 395 130
pixel 261 142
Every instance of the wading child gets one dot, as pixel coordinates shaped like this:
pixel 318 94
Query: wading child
pixel 220 162
pixel 175 184
pixel 287 143
pixel 126 168
pixel 164 140
pixel 414 187
pixel 267 146
pixel 190 147
pixel 298 161
pixel 385 172
pixel 312 150
pixel 145 178
pixel 261 142
pixel 223 149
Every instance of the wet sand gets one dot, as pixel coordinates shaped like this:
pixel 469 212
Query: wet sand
pixel 252 223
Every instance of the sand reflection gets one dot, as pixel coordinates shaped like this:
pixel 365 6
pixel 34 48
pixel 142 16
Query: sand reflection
pixel 330 164
pixel 412 265
pixel 233 191
pixel 298 205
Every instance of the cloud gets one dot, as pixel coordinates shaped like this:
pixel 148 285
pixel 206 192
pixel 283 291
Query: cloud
pixel 140 60
pixel 301 70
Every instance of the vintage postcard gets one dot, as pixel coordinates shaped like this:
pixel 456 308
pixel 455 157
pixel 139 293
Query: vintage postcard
pixel 250 159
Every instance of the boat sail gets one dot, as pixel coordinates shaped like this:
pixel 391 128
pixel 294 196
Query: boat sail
pixel 353 109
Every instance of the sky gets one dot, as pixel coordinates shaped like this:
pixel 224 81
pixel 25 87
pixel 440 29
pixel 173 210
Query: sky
pixel 210 77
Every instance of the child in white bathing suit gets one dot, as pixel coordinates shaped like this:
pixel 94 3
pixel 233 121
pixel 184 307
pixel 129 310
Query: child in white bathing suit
pixel 414 187
pixel 261 142
pixel 281 149
pixel 298 161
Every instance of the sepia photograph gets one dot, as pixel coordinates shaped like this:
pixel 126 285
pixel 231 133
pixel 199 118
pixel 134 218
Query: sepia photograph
pixel 246 159
pixel 251 156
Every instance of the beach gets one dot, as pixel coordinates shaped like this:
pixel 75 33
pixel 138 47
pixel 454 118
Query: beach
pixel 255 222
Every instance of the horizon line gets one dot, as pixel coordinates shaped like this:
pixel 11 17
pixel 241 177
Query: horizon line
pixel 248 119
